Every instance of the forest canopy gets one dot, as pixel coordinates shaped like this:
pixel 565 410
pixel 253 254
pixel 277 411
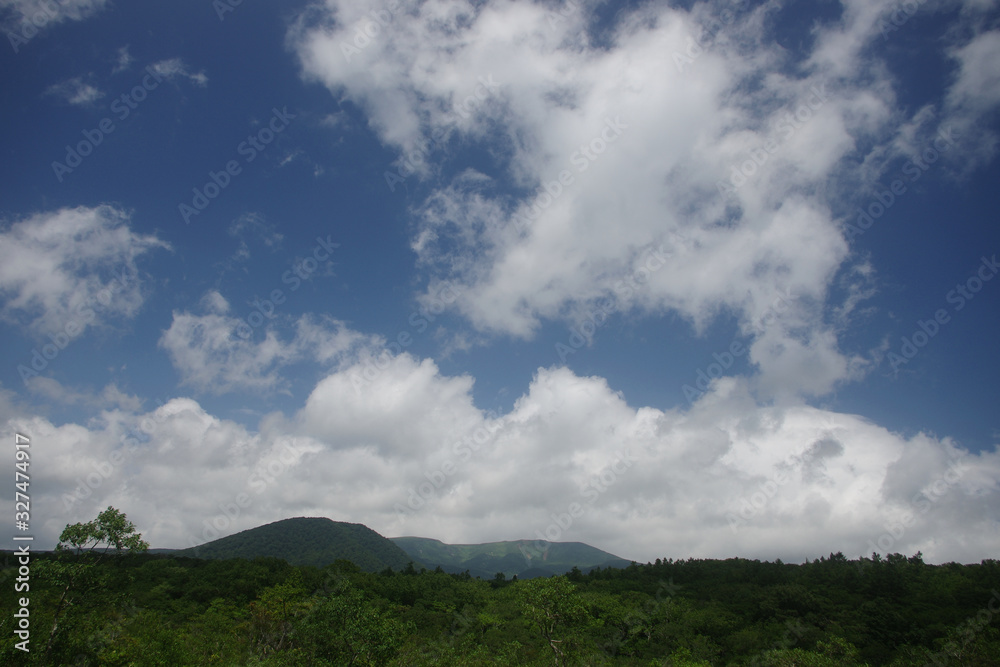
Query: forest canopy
pixel 122 606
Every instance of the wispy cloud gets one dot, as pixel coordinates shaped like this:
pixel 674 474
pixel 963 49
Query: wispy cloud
pixel 124 61
pixel 65 266
pixel 41 13
pixel 174 68
pixel 111 397
pixel 212 356
pixel 76 91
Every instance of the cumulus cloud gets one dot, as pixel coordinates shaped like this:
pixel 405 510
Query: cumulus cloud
pixel 407 452
pixel 691 123
pixel 682 163
pixel 66 270
pixel 129 460
pixel 219 353
pixel 399 390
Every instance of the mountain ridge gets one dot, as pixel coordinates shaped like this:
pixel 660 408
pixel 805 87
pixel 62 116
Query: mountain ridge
pixel 320 541
pixel 316 541
pixel 511 557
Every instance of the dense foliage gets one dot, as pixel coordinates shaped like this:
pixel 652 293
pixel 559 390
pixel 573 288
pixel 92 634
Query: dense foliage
pixel 152 609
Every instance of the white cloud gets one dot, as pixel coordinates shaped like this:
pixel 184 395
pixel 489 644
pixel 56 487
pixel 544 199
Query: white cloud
pixel 255 226
pixel 124 60
pixel 110 397
pixel 175 67
pixel 251 227
pixel 726 478
pixel 391 414
pixel 644 129
pixel 31 15
pixel 63 271
pixel 403 448
pixel 978 82
pixel 215 303
pixel 76 91
pixel 975 96
pixel 219 353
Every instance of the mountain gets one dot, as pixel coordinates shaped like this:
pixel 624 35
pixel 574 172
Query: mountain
pixel 320 541
pixel 308 541
pixel 525 558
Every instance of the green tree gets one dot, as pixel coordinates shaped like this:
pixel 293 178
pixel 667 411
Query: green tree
pixel 682 657
pixel 552 607
pixel 349 629
pixel 114 532
pixel 215 636
pixel 835 653
pixel 272 616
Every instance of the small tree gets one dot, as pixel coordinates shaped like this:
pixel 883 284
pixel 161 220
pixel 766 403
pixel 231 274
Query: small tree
pixel 272 615
pixel 111 529
pixel 553 608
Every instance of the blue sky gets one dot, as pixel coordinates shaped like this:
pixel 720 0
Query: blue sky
pixel 694 279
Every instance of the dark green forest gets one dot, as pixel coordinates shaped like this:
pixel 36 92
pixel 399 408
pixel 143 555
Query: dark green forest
pixel 308 541
pixel 122 606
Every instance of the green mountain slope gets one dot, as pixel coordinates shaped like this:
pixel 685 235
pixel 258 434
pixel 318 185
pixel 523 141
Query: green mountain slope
pixel 308 541
pixel 525 558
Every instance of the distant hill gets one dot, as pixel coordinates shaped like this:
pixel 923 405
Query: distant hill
pixel 308 541
pixel 525 558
